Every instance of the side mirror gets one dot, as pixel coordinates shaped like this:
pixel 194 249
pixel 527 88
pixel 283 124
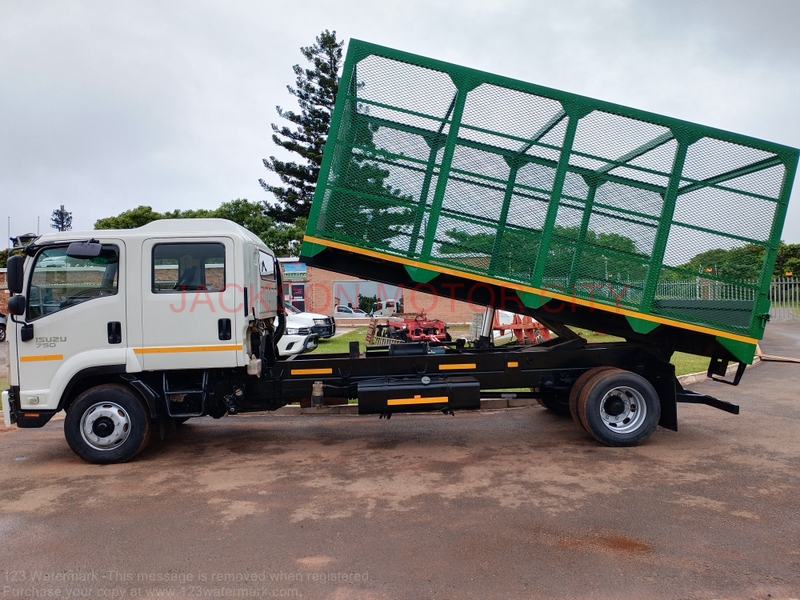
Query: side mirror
pixel 15 273
pixel 16 304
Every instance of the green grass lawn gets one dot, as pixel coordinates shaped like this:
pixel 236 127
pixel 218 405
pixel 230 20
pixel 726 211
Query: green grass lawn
pixel 341 343
pixel 689 363
pixel 684 363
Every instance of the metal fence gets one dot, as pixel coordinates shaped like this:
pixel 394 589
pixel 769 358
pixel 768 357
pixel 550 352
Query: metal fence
pixel 784 294
pixel 785 298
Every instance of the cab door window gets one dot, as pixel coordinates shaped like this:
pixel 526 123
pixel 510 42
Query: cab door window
pixel 59 281
pixel 188 267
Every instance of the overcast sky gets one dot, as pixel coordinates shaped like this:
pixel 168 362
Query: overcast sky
pixel 109 104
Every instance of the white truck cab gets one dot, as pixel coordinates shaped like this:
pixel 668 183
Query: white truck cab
pixel 386 308
pixel 156 307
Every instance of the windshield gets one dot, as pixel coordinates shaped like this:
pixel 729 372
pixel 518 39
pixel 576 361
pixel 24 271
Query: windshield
pixel 290 308
pixel 59 281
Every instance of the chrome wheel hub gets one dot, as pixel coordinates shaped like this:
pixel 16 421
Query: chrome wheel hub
pixel 105 425
pixel 623 409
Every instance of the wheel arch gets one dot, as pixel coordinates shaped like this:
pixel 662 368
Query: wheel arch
pixel 94 376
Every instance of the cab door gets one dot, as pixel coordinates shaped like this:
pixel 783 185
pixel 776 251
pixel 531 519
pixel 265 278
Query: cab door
pixel 190 305
pixel 76 310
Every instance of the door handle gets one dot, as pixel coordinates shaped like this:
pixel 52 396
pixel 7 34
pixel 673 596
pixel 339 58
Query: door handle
pixel 224 329
pixel 114 332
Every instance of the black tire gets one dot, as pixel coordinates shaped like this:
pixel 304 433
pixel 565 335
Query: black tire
pixel 577 388
pixel 2 333
pixel 107 424
pixel 619 408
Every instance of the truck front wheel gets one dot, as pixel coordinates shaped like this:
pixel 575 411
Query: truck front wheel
pixel 107 424
pixel 619 408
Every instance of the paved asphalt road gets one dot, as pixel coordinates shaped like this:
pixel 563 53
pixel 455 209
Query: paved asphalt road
pixel 498 504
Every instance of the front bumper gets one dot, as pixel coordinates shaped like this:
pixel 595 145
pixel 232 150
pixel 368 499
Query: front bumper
pixel 29 419
pixel 9 416
pixel 325 331
pixel 297 344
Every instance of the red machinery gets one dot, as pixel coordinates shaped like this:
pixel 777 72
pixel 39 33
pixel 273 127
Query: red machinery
pixel 414 329
pixel 524 328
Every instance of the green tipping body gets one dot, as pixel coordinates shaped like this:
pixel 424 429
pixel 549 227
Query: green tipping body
pixel 445 168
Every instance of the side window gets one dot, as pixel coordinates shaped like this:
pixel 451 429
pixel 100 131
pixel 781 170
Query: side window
pixel 188 267
pixel 59 281
pixel 266 266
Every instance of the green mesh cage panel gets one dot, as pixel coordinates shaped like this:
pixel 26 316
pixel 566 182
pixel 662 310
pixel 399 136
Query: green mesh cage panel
pixel 438 165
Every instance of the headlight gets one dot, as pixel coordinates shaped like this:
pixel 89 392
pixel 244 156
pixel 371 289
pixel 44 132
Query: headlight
pixel 320 321
pixel 292 331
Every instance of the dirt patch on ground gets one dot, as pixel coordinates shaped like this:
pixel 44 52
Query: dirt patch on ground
pixel 501 504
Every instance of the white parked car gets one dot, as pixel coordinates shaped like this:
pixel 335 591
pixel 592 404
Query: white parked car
pixel 345 312
pixel 303 330
pixel 323 325
pixel 53 262
pixel 297 338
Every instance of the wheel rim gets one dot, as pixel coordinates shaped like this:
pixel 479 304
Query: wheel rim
pixel 623 409
pixel 105 425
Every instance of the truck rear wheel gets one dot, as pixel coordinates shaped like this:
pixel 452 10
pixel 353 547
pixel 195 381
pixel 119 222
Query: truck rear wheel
pixel 107 424
pixel 619 408
pixel 577 388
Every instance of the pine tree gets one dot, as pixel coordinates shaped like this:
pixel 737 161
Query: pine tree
pixel 315 90
pixel 61 219
pixel 375 214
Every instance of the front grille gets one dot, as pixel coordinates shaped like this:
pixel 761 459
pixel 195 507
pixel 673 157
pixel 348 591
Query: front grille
pixel 324 331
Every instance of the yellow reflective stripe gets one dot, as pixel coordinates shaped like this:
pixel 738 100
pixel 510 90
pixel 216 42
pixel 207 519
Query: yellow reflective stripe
pixel 311 371
pixel 41 357
pixel 544 293
pixel 432 400
pixel 174 349
pixel 458 366
pixel 513 364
